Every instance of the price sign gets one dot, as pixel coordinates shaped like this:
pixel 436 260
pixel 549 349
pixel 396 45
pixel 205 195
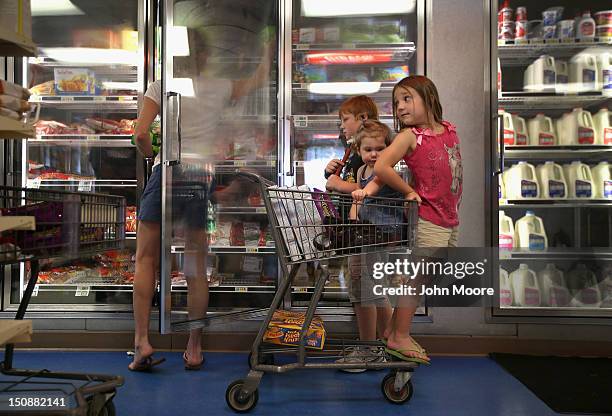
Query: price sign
pixel 252 249
pixel 67 99
pixel 35 183
pixel 35 291
pixel 241 289
pixel 82 291
pixel 85 186
pixel 240 163
pixel 93 137
pixel 300 290
pixel 99 98
pixel 302 46
pixel 260 210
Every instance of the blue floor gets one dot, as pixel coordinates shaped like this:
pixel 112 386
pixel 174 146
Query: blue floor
pixel 450 386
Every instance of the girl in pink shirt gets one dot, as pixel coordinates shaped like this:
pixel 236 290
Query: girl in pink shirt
pixel 430 147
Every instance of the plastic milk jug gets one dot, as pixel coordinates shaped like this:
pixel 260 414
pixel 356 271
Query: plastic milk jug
pixel 576 128
pixel 552 181
pixel 583 286
pixel 562 73
pixel 529 232
pixel 603 128
pixel 520 131
pixel 501 188
pixel 521 181
pixel 579 180
pixel 604 68
pixel 583 75
pixel 541 131
pixel 506 297
pixel 509 129
pixel 506 231
pixel 602 180
pixel 553 289
pixel 541 75
pixel 525 287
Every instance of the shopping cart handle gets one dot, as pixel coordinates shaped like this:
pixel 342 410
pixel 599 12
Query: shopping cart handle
pixel 255 178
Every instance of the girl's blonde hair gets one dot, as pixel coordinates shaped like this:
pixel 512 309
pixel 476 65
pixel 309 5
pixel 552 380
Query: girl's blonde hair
pixel 359 104
pixel 372 128
pixel 428 93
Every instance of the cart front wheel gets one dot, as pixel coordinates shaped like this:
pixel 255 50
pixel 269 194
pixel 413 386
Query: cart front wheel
pixel 393 396
pixel 107 410
pixel 236 402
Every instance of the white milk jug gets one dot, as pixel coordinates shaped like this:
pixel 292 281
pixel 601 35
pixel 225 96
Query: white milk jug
pixel 506 231
pixel 541 131
pixel 583 286
pixel 604 69
pixel 506 298
pixel 521 181
pixel 602 181
pixel 576 128
pixel 579 180
pixel 509 129
pixel 525 287
pixel 501 188
pixel 553 288
pixel 603 128
pixel 562 73
pixel 529 232
pixel 541 75
pixel 520 131
pixel 583 75
pixel 552 181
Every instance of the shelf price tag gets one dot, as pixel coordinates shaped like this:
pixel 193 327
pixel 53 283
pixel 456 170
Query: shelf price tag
pixel 260 210
pixel 300 121
pixel 302 46
pixel 240 163
pixel 67 99
pixel 348 46
pixel 271 163
pixel 35 183
pixel 99 98
pixel 92 137
pixel 241 289
pixel 85 186
pixel 300 289
pixel 82 291
pixel 35 291
pixel 251 249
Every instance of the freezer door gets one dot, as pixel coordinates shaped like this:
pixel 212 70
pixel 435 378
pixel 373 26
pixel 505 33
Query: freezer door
pixel 219 112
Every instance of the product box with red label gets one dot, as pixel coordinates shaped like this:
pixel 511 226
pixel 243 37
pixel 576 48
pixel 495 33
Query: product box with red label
pixel 284 329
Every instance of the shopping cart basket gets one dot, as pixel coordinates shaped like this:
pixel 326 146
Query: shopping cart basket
pixel 311 227
pixel 37 224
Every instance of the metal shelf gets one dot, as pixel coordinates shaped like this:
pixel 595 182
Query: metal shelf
pixel 180 249
pixel 555 203
pixel 557 254
pixel 82 289
pixel 241 210
pixel 301 90
pixel 327 123
pixel 400 52
pixel 13 129
pixel 92 140
pixel 130 235
pixel 13 44
pixel 351 46
pixel 87 102
pixel 603 152
pixel 223 288
pixel 543 101
pixel 246 163
pixel 524 52
pixel 326 289
pixel 83 185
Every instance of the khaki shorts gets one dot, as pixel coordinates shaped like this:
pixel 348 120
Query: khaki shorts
pixel 432 235
pixel 361 282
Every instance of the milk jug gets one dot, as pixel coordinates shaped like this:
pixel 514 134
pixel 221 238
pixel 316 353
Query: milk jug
pixel 583 75
pixel 520 131
pixel 602 181
pixel 521 181
pixel 506 231
pixel 529 232
pixel 583 286
pixel 562 72
pixel 501 188
pixel 553 289
pixel 603 128
pixel 525 287
pixel 552 181
pixel 579 180
pixel 604 68
pixel 505 289
pixel 576 128
pixel 541 75
pixel 541 131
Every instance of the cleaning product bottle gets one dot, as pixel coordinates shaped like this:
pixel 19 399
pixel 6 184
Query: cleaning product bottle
pixel 552 181
pixel 586 27
pixel 525 287
pixel 521 181
pixel 506 231
pixel 541 131
pixel 520 131
pixel 603 128
pixel 583 286
pixel 579 180
pixel 602 181
pixel 506 298
pixel 529 232
pixel 553 287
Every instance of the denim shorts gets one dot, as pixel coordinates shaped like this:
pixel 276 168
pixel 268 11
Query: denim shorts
pixel 190 194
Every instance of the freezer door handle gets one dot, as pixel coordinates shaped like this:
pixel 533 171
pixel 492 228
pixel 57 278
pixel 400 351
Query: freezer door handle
pixel 500 127
pixel 290 120
pixel 177 97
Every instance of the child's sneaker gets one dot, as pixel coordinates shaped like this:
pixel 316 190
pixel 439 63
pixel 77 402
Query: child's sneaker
pixel 361 355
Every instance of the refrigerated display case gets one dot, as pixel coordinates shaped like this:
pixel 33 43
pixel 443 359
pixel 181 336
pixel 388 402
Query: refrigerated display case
pixel 550 149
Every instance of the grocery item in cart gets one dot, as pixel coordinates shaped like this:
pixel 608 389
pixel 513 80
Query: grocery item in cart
pixel 285 326
pixel 14 90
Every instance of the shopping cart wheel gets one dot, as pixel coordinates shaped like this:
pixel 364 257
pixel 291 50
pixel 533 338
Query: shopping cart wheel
pixel 396 397
pixel 236 402
pixel 108 409
pixel 266 359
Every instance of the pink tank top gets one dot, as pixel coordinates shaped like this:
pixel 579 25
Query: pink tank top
pixel 437 174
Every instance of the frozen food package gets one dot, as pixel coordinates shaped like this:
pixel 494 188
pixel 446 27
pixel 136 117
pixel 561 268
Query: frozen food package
pixel 251 233
pixel 45 88
pixel 324 204
pixel 14 90
pixel 5 112
pixel 395 73
pixel 237 234
pixel 222 234
pixel 14 103
pixel 80 81
pixel 265 237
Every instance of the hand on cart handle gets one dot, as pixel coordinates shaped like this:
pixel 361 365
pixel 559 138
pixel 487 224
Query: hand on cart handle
pixel 359 195
pixel 413 196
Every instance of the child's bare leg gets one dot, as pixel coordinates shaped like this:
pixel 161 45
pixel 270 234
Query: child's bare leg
pixel 384 315
pixel 366 321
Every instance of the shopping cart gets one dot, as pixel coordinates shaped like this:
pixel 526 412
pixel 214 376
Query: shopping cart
pixel 42 224
pixel 313 227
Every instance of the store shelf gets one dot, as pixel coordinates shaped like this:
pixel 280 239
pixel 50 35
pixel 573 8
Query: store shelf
pixel 86 102
pixel 180 249
pixel 13 44
pixel 223 288
pixel 13 129
pixel 326 289
pixel 524 52
pixel 82 289
pixel 357 53
pixel 327 123
pixel 83 185
pixel 557 254
pixel 92 140
pixel 548 101
pixel 246 163
pixel 130 235
pixel 555 203
pixel 351 46
pixel 375 89
pixel 558 152
pixel 241 210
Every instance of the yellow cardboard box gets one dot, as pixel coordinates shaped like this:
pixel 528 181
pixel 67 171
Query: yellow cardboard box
pixel 284 329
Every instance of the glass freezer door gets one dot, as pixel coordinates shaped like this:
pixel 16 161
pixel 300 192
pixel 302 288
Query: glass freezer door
pixel 219 110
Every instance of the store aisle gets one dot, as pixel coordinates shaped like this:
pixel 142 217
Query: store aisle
pixel 450 386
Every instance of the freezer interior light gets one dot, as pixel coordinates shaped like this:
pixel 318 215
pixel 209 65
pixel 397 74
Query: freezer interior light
pixel 54 8
pixel 178 43
pixel 344 88
pixel 183 86
pixel 326 8
pixel 92 56
pixel 349 57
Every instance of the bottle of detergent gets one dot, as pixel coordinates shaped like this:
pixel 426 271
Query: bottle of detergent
pixel 525 287
pixel 583 75
pixel 603 128
pixel 541 131
pixel 602 180
pixel 579 180
pixel 576 128
pixel 562 72
pixel 583 286
pixel 506 231
pixel 529 232
pixel 553 287
pixel 506 298
pixel 552 181
pixel 521 181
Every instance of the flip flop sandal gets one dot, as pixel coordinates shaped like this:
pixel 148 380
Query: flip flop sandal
pixel 146 364
pixel 398 354
pixel 192 367
pixel 416 345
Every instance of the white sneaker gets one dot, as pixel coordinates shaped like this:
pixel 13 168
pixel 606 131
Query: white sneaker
pixel 361 355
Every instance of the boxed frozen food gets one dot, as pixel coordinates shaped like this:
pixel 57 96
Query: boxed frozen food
pixel 14 90
pixel 14 103
pixel 252 264
pixel 331 34
pixel 395 73
pixel 311 73
pixel 74 81
pixel 252 233
pixel 45 88
pixel 130 219
pixel 222 234
pixel 308 35
pixel 285 326
pixel 237 234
